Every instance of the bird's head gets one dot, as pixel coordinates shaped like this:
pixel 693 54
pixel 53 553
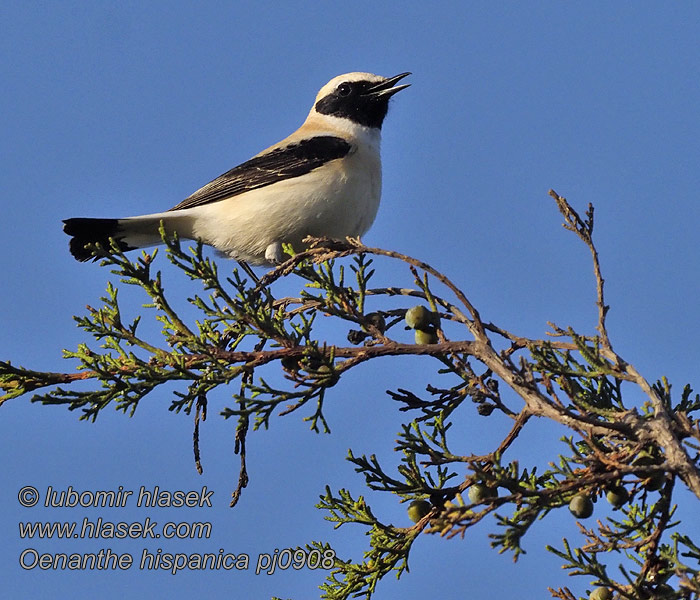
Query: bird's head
pixel 362 98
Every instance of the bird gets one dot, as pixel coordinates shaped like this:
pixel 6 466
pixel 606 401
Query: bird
pixel 323 180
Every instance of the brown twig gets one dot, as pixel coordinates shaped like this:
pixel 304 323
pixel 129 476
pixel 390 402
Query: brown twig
pixel 200 413
pixel 240 449
pixel 584 229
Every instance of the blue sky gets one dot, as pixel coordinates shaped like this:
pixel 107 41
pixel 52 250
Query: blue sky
pixel 122 109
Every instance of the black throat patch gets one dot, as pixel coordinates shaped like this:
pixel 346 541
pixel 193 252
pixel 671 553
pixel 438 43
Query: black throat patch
pixel 352 100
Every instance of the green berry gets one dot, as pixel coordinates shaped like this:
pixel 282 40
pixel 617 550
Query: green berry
pixel 600 593
pixel 617 496
pixel 645 459
pixel 651 481
pixel 326 376
pixel 290 363
pixel 479 492
pixel 377 320
pixel 418 509
pixel 425 337
pixel 654 482
pixel 581 506
pixel 419 317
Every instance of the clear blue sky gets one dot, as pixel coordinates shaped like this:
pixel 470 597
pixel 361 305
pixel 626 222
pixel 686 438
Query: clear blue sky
pixel 120 109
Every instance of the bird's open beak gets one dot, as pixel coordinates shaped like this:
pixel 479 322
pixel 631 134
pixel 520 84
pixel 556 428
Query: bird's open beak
pixel 386 87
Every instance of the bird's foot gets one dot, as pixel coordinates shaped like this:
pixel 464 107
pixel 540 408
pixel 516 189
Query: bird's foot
pixel 273 253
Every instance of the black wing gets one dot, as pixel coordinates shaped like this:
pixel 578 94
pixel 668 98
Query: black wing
pixel 278 164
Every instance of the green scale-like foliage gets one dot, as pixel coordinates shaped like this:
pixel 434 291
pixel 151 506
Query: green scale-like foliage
pixel 265 350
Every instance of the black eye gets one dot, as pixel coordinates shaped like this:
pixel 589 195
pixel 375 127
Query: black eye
pixel 344 89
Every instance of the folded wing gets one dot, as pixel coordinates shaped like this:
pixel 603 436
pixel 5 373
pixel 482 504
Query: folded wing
pixel 292 160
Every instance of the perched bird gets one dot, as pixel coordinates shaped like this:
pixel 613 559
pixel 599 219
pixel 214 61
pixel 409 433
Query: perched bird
pixel 323 180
